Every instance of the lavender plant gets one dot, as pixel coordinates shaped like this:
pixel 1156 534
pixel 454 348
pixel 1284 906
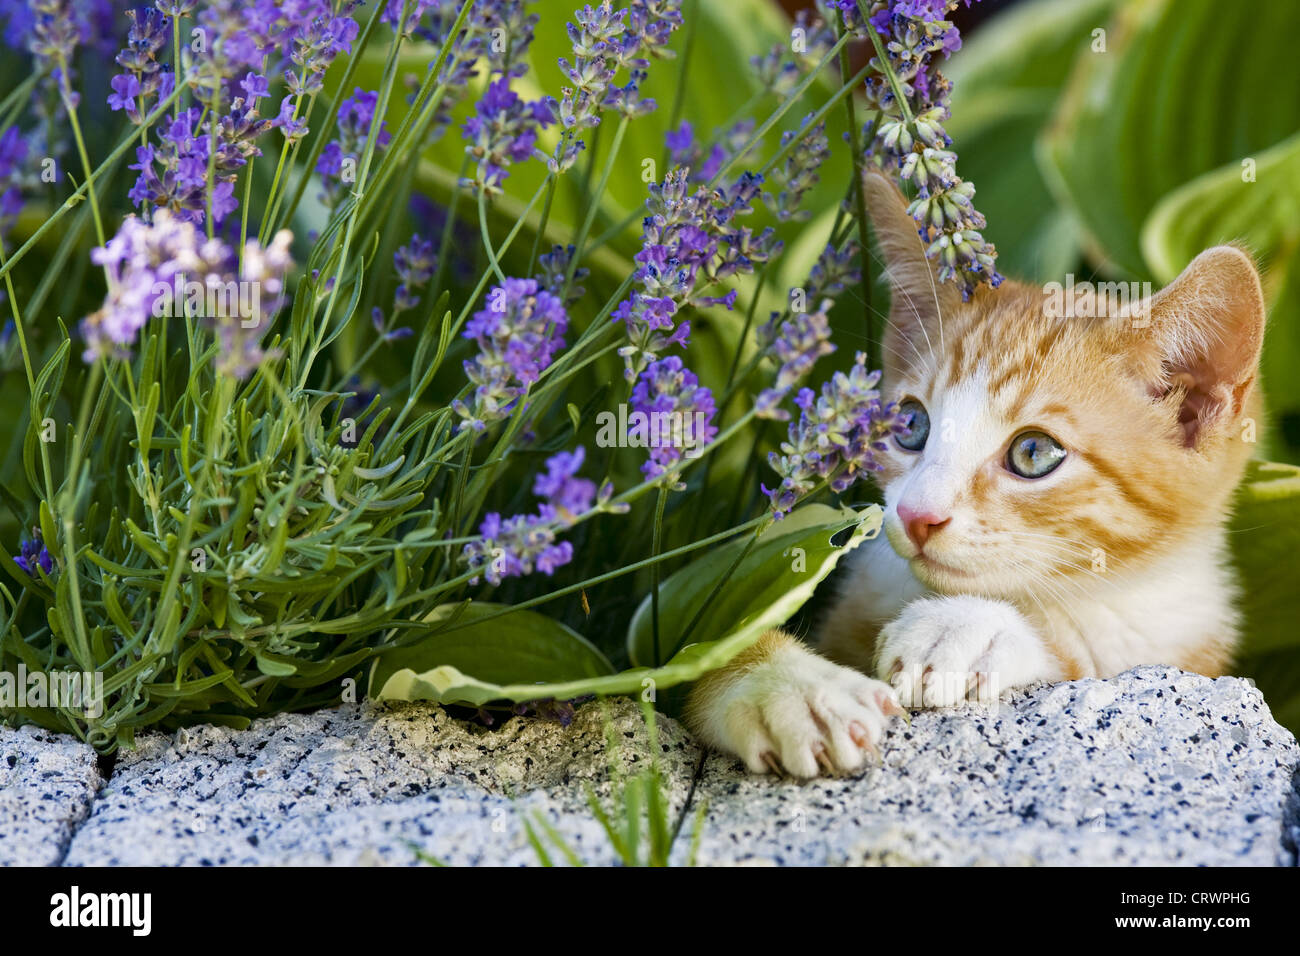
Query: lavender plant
pixel 346 386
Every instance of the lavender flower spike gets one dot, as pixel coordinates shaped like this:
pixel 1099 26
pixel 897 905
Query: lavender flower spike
pixel 835 438
pixel 797 343
pixel 519 545
pixel 911 139
pixel 517 335
pixel 672 415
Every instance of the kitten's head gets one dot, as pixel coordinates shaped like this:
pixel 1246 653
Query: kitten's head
pixel 1049 441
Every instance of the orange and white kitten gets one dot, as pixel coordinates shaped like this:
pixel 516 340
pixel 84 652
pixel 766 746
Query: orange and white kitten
pixel 1056 512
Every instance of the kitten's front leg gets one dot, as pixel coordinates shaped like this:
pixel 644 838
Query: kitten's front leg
pixel 942 650
pixel 780 706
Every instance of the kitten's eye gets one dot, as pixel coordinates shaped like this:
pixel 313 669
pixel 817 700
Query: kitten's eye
pixel 918 427
pixel 1034 454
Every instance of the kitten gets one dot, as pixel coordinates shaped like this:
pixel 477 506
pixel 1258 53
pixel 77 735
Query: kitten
pixel 1057 510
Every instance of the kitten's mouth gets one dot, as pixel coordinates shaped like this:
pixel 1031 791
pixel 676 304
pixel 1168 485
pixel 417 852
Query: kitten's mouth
pixel 938 568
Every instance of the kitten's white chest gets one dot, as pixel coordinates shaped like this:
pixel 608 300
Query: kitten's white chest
pixel 1158 614
pixel 1098 625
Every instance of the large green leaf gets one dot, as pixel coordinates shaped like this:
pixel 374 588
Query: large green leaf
pixel 1006 82
pixel 1265 540
pixel 450 685
pixel 780 573
pixel 1183 88
pixel 1263 211
pixel 757 598
pixel 1225 205
pixel 522 647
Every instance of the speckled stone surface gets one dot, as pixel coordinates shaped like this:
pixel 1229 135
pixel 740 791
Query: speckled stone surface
pixel 1155 766
pixel 367 784
pixel 47 782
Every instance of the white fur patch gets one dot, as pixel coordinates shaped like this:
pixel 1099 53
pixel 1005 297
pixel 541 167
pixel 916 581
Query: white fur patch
pixel 941 650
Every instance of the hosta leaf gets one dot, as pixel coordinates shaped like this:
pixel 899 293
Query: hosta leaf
pixel 1265 539
pixel 520 648
pixel 780 573
pixel 1260 207
pixel 527 656
pixel 1174 96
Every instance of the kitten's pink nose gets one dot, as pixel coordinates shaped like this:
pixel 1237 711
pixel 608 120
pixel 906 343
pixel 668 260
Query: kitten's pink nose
pixel 920 524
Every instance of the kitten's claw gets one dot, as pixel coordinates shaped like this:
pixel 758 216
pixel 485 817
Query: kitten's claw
pixel 799 714
pixel 940 651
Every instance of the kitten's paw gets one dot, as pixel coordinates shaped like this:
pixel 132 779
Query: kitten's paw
pixel 942 650
pixel 802 714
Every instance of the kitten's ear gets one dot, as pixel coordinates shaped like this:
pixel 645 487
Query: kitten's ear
pixel 918 300
pixel 1207 330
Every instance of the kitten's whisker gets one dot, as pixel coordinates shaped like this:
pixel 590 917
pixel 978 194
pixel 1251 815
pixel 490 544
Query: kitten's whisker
pixel 1062 602
pixel 934 290
pixel 1020 566
pixel 903 360
pixel 1077 547
pixel 895 288
pixel 1061 559
pixel 912 368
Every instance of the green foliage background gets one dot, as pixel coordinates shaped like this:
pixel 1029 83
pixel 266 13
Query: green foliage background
pixel 1119 164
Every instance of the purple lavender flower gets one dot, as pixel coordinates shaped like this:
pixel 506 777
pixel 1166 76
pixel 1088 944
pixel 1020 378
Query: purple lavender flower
pixel 298 39
pixel 145 262
pixel 606 41
pixel 683 150
pixel 672 415
pixel 519 545
pixel 681 143
pixel 174 174
pixel 339 159
pixel 689 242
pixel 142 262
pixel 797 343
pixel 52 31
pixel 566 495
pixel 833 272
pixel 13 157
pixel 318 35
pixel 835 438
pixel 414 263
pixel 915 31
pixel 407 25
pixel 431 219
pixel 503 131
pixel 517 335
pixel 626 100
pixel 240 336
pixel 798 174
pixel 555 269
pixel 780 69
pixel 286 120
pixel 497 34
pixel 32 554
pixel 125 90
pixel 385 333
pixel 145 82
pixel 512 27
